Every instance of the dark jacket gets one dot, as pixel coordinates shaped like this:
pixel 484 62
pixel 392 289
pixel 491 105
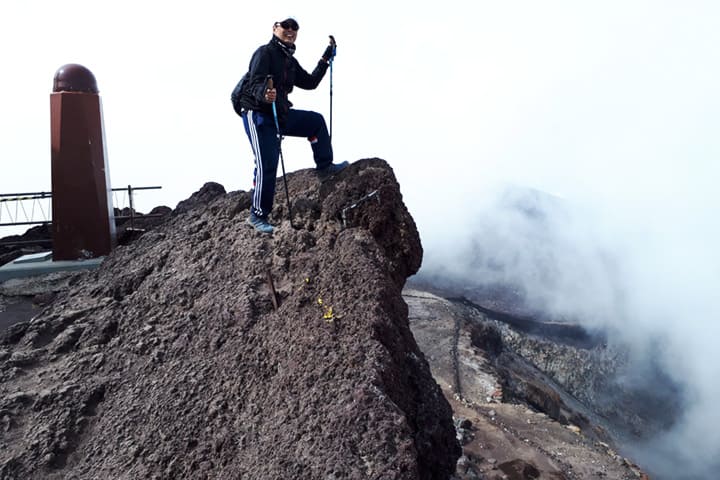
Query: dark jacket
pixel 273 59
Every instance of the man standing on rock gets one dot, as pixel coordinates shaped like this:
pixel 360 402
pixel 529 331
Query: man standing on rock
pixel 253 99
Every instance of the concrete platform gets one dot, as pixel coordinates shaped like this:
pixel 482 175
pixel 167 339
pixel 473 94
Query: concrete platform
pixel 42 263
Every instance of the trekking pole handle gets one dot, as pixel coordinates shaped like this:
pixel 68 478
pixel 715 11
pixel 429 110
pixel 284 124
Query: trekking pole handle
pixel 334 46
pixel 270 86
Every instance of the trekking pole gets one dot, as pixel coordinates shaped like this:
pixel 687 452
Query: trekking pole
pixel 279 138
pixel 332 60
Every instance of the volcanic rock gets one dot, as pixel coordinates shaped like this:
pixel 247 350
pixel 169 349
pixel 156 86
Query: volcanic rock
pixel 513 420
pixel 32 241
pixel 205 349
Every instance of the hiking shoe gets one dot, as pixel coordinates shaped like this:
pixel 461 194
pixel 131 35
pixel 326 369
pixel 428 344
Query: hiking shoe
pixel 260 224
pixel 331 170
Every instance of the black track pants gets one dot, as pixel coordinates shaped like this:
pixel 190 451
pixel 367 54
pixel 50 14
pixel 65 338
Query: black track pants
pixel 261 131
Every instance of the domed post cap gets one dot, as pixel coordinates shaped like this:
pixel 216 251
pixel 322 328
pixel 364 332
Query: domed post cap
pixel 74 78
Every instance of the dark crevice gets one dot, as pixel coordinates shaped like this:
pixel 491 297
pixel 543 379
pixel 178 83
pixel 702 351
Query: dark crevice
pixel 565 333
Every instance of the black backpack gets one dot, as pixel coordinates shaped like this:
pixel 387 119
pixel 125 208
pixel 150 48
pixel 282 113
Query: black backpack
pixel 237 93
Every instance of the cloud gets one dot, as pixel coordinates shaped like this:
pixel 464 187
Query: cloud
pixel 647 271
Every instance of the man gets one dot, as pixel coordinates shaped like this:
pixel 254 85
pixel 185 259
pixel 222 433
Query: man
pixel 253 99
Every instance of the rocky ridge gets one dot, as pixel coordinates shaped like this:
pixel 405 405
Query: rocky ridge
pixel 206 350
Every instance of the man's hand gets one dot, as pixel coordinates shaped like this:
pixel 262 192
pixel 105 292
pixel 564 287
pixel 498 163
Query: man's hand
pixel 330 50
pixel 270 95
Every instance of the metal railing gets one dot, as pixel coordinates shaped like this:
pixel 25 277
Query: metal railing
pixel 20 202
pixel 130 189
pixel 27 208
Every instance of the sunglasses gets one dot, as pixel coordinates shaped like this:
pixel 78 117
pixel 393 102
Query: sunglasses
pixel 289 25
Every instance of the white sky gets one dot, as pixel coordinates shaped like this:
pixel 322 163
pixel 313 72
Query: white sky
pixel 564 96
pixel 613 105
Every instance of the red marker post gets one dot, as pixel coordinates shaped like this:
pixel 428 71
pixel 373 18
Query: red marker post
pixel 83 222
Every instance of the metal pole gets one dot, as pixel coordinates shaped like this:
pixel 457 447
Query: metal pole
pixel 332 60
pixel 331 97
pixel 132 208
pixel 279 139
pixel 33 194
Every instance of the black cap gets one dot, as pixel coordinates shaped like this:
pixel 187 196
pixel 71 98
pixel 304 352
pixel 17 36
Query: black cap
pixel 289 23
